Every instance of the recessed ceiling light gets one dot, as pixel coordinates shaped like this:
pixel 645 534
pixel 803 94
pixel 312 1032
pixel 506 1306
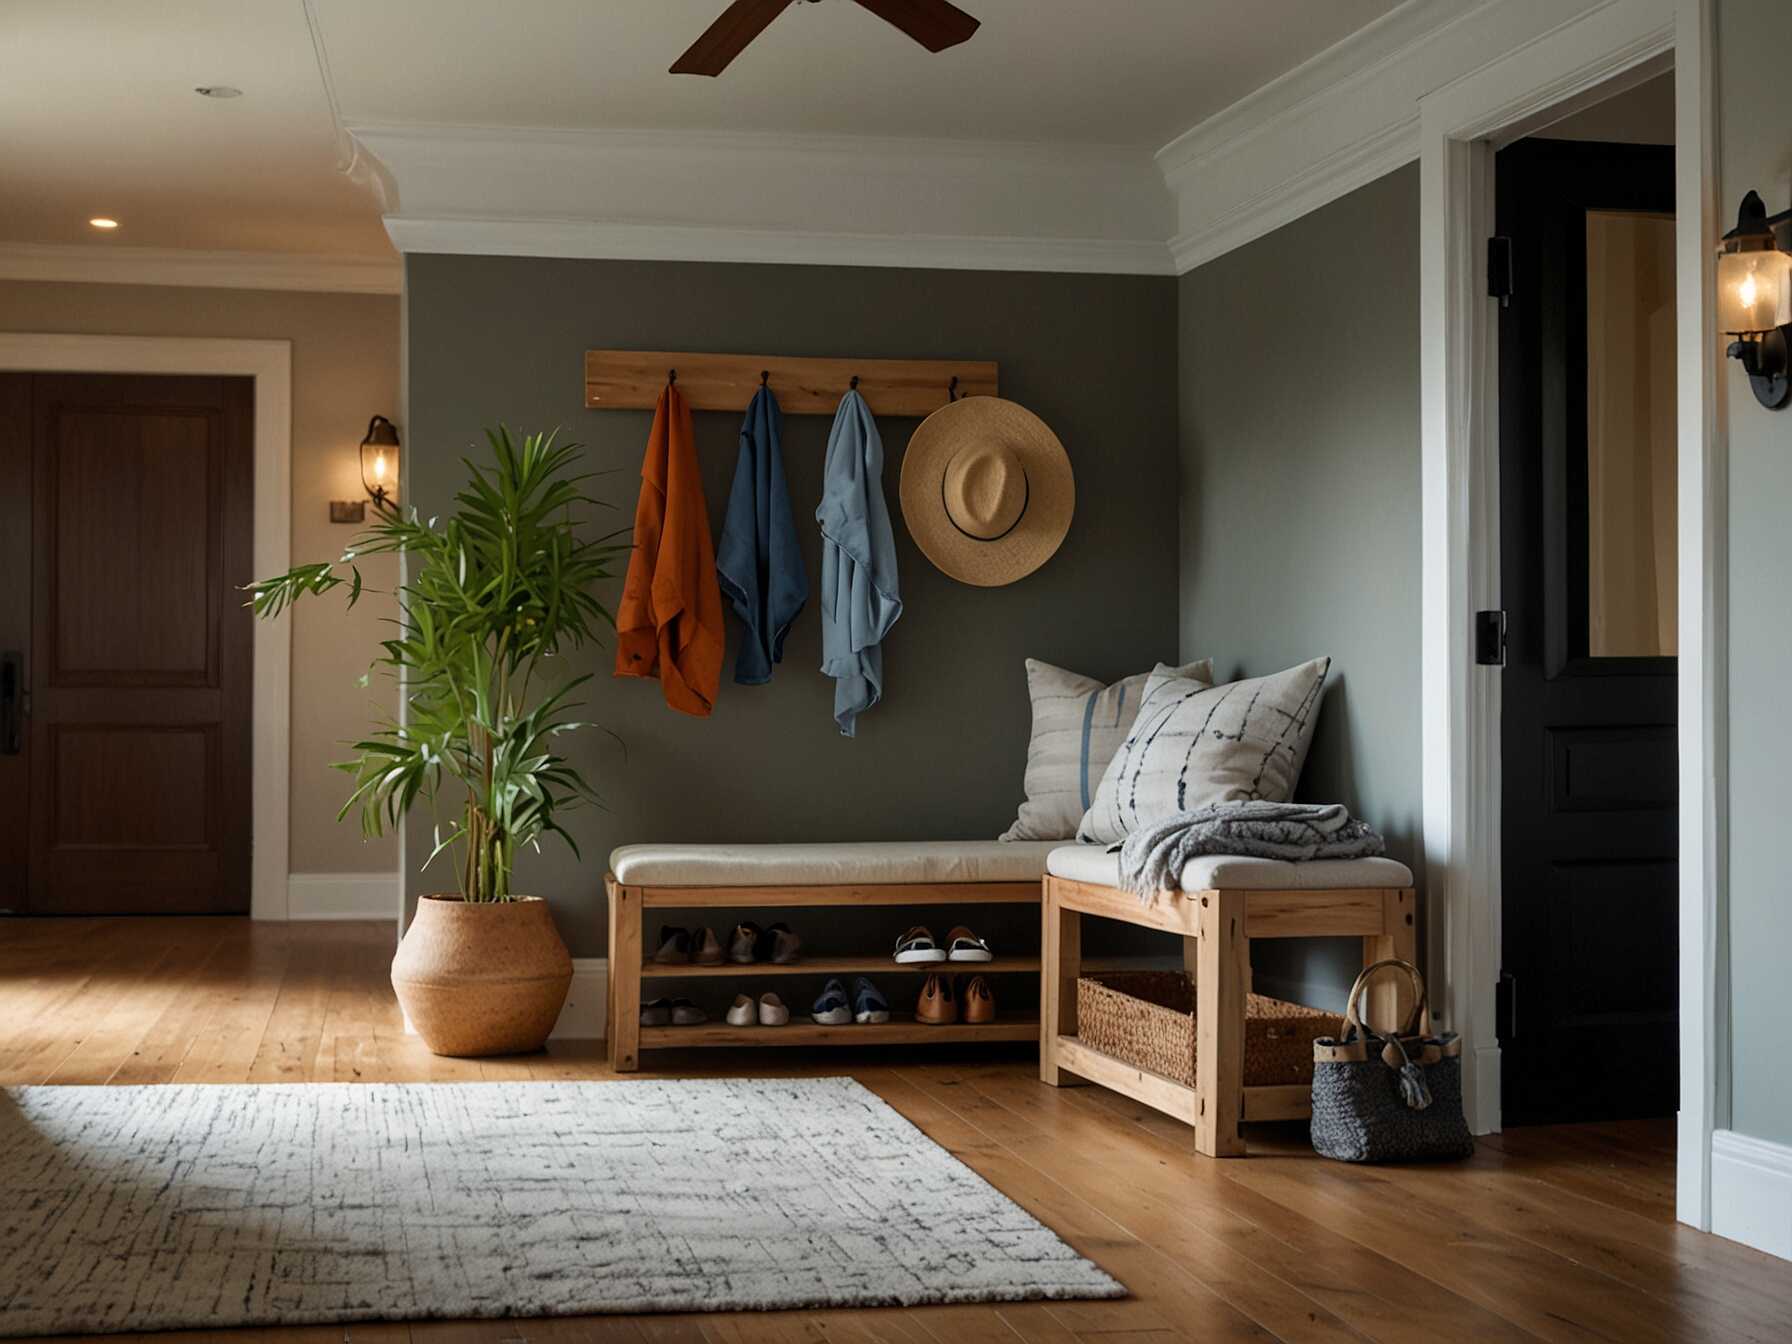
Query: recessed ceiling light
pixel 101 222
pixel 218 91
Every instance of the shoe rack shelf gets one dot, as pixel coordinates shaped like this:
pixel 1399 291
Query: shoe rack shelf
pixel 819 966
pixel 898 1030
pixel 631 967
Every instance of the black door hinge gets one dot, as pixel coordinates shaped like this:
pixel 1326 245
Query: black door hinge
pixel 1499 270
pixel 1490 638
pixel 1505 1007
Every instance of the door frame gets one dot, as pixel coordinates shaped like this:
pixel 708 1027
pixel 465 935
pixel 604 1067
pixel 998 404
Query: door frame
pixel 1462 125
pixel 269 363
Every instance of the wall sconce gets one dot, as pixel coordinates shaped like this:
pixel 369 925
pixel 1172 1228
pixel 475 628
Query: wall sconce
pixel 1754 300
pixel 379 462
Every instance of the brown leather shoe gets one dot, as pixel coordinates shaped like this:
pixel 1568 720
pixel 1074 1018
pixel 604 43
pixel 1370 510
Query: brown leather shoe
pixel 977 1000
pixel 706 948
pixel 937 1006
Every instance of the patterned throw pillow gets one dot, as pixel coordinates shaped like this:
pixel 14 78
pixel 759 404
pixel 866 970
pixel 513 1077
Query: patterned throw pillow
pixel 1078 725
pixel 1195 744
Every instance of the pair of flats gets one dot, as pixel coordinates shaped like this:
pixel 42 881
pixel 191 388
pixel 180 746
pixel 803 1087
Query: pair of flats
pixel 865 1006
pixel 681 947
pixel 942 1002
pixel 672 1013
pixel 917 947
pixel 777 945
pixel 767 1011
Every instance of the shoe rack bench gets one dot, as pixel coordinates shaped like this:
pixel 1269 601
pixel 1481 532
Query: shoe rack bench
pixel 630 966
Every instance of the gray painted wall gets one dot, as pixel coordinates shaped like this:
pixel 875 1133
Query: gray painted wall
pixel 1299 382
pixel 503 338
pixel 1756 152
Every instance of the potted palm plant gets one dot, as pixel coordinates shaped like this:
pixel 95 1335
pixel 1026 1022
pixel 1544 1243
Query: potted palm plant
pixel 489 595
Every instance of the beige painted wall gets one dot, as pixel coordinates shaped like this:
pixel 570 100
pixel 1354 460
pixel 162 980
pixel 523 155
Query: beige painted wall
pixel 344 369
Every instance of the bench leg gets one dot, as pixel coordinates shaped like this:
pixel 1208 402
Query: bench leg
pixel 1389 999
pixel 1060 963
pixel 1220 980
pixel 624 1023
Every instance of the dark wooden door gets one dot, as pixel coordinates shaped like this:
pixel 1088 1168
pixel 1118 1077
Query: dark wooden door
pixel 134 755
pixel 1588 576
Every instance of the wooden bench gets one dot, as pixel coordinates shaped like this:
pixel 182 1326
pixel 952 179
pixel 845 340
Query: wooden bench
pixel 726 877
pixel 1232 902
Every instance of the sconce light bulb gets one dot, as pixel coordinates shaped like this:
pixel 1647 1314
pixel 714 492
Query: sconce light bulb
pixel 379 459
pixel 1748 293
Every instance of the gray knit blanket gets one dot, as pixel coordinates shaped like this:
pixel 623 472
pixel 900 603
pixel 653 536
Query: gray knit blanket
pixel 1152 858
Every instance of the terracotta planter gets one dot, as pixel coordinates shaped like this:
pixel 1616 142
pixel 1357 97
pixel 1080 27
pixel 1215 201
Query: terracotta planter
pixel 482 978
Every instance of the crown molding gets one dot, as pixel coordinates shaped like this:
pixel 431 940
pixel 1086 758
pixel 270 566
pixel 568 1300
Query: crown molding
pixel 1342 119
pixel 752 197
pixel 594 239
pixel 110 265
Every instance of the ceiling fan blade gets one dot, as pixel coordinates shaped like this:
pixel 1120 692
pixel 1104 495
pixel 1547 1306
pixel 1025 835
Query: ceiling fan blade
pixel 935 24
pixel 728 36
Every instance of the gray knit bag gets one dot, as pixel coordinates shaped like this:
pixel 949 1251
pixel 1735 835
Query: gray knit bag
pixel 1394 1097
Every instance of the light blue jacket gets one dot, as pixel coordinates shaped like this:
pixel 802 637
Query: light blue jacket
pixel 860 598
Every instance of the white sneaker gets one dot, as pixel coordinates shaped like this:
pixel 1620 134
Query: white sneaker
pixel 742 1012
pixel 772 1012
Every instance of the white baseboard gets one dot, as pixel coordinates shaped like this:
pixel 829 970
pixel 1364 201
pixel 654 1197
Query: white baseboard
pixel 1751 1192
pixel 584 1017
pixel 342 896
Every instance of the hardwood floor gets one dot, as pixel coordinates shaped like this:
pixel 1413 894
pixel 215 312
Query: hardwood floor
pixel 1561 1234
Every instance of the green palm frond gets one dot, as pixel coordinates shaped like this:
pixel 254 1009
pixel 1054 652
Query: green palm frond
pixel 504 583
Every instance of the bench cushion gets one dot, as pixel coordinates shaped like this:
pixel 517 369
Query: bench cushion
pixel 831 865
pixel 1093 864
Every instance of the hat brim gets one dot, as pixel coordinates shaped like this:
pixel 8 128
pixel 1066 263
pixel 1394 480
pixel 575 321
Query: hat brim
pixel 1051 491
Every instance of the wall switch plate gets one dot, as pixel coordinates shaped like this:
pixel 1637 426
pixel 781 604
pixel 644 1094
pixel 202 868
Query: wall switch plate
pixel 348 510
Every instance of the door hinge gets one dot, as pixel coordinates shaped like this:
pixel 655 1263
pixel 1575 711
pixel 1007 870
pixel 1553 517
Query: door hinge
pixel 1499 270
pixel 1490 638
pixel 1505 1007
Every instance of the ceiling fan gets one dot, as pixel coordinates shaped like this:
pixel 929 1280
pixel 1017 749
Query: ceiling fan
pixel 935 24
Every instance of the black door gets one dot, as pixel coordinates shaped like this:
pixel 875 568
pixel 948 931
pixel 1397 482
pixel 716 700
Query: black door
pixel 1588 575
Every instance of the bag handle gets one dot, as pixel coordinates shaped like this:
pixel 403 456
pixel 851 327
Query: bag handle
pixel 1418 1020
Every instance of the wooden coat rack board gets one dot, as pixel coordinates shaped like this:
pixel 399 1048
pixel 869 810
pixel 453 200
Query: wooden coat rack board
pixel 633 380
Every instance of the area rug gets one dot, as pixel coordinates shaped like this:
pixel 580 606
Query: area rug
pixel 153 1208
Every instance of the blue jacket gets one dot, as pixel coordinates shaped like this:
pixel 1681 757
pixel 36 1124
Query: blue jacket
pixel 860 598
pixel 758 561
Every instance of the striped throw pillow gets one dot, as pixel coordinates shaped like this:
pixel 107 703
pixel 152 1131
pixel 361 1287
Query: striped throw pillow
pixel 1078 725
pixel 1194 744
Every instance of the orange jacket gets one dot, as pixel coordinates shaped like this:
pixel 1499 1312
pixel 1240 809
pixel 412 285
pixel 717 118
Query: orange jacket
pixel 669 623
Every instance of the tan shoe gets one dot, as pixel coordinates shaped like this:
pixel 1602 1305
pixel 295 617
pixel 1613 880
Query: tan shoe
pixel 937 1006
pixel 706 948
pixel 977 1000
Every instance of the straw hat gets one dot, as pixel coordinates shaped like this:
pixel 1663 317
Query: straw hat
pixel 987 490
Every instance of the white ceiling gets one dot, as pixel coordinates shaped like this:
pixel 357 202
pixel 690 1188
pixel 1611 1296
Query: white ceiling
pixel 100 117
pixel 1134 72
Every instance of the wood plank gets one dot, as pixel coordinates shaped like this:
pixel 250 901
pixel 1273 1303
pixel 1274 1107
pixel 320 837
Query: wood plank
pixel 1225 959
pixel 838 966
pixel 805 385
pixel 1061 957
pixel 897 1031
pixel 1171 911
pixel 1313 914
pixel 625 981
pixel 1142 1085
pixel 1282 1101
pixel 916 893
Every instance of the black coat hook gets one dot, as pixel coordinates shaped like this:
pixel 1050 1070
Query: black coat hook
pixel 671 377
pixel 855 382
pixel 763 375
pixel 952 389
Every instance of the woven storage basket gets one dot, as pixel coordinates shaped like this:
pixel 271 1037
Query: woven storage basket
pixel 1147 1019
